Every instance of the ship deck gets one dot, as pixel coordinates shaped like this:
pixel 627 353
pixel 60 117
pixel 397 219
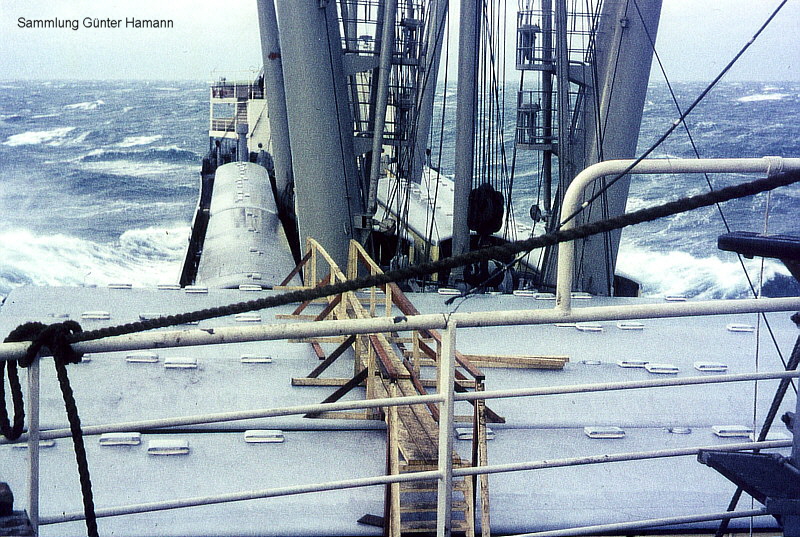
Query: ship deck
pixel 111 389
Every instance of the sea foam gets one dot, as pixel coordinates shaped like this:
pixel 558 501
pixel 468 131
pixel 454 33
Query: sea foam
pixel 143 257
pixel 52 137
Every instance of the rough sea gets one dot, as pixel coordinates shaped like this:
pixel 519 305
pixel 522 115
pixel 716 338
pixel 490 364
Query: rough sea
pixel 99 181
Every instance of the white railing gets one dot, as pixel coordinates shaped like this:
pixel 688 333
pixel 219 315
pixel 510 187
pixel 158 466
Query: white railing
pixel 446 398
pixel 573 198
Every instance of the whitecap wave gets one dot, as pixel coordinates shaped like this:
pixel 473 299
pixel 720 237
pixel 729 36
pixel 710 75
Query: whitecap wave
pixel 143 257
pixel 763 97
pixel 680 273
pixel 137 168
pixel 88 105
pixel 132 141
pixel 50 137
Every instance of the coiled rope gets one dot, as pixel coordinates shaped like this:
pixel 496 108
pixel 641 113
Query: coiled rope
pixel 55 337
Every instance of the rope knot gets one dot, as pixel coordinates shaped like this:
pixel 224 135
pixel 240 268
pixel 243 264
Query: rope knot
pixel 55 337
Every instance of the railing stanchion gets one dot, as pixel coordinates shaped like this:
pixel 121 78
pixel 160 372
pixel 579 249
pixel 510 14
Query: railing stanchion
pixel 446 388
pixel 33 444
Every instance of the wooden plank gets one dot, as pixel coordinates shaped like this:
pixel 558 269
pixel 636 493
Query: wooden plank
pixel 333 356
pixel 344 415
pixel 299 309
pixel 338 394
pixel 329 308
pixel 305 381
pixel 296 270
pixel 318 350
pixel 300 317
pixel 519 361
pixel 328 339
pixel 384 356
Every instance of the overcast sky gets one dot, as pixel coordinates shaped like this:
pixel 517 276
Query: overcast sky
pixel 217 38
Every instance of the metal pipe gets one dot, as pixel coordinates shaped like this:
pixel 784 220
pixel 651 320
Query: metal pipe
pixel 382 99
pixel 242 496
pixel 465 127
pixel 163 423
pixel 646 523
pixel 615 457
pixel 188 338
pixel 630 385
pixel 275 93
pixel 573 197
pixel 33 445
pixel 447 371
pixel 417 399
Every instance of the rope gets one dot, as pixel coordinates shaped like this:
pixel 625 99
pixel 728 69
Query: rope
pixel 55 337
pixel 682 117
pixel 503 251
pixel 58 337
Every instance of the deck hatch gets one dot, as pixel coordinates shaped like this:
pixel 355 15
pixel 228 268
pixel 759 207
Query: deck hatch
pixel 42 444
pixel 740 327
pixel 120 439
pixel 264 436
pixel 732 431
pixel 633 363
pixel 180 362
pixel 466 433
pixel 662 369
pixel 168 446
pixel 196 289
pixel 607 432
pixel 97 315
pixel 250 287
pixel 168 287
pixel 143 357
pixel 680 430
pixel 711 367
pixel 247 318
pixel 255 359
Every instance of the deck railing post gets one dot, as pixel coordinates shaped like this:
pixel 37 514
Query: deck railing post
pixel 33 445
pixel 446 388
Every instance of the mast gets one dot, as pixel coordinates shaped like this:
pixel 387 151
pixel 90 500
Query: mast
pixel 623 66
pixel 382 98
pixel 431 56
pixel 276 95
pixel 601 69
pixel 465 126
pixel 327 191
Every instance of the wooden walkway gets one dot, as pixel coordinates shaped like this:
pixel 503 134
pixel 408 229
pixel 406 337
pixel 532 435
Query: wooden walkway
pixel 390 365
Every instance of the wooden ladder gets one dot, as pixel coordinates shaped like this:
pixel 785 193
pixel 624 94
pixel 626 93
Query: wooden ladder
pixel 418 502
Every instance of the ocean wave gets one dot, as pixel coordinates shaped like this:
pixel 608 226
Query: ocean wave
pixel 680 273
pixel 143 257
pixel 50 137
pixel 139 168
pixel 131 141
pixel 170 154
pixel 88 105
pixel 763 97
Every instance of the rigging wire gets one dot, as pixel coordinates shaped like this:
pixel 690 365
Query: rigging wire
pixel 720 211
pixel 683 116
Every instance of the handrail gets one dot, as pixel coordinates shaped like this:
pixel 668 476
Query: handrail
pixel 573 197
pixel 266 332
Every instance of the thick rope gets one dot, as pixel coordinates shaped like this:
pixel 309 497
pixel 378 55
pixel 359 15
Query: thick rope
pixel 503 251
pixel 55 337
